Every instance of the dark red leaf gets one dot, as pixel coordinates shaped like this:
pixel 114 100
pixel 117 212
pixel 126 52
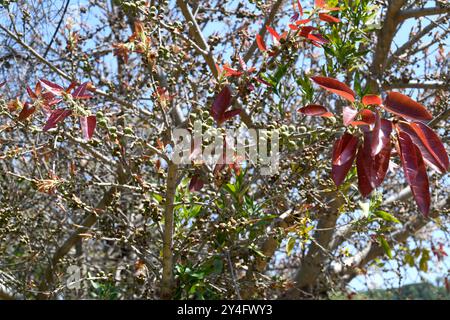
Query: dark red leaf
pixel 364 182
pixel 221 104
pixel 381 134
pixel 372 170
pixel 315 110
pixel 429 144
pixel 415 172
pixel 347 144
pixel 305 31
pixel 2 83
pixel 406 107
pixel 80 92
pixel 328 18
pixel 349 113
pixel 368 116
pixel 261 44
pixel 335 86
pixel 56 116
pixel 26 111
pixel 317 37
pixel 230 114
pixel 345 150
pixel 196 183
pixel 371 99
pixel 88 126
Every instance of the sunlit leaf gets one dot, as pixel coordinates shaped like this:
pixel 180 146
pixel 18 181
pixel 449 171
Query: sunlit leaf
pixel 335 86
pixel 406 107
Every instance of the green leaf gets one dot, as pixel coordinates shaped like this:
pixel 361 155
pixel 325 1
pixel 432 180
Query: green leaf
pixel 385 245
pixel 386 216
pixel 290 245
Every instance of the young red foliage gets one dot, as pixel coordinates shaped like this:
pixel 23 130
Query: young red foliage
pixel 335 86
pixel 56 116
pixel 196 183
pixel 381 134
pixel 261 44
pixel 328 18
pixel 27 110
pixel 371 99
pixel 415 172
pixel 315 110
pixel 275 36
pixel 88 125
pixel 221 104
pixel 429 144
pixel 405 107
pixel 344 149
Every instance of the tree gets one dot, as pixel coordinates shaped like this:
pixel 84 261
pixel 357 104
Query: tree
pixel 97 97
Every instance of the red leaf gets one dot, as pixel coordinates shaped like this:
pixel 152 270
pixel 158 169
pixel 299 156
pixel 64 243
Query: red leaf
pixel 275 36
pixel 2 83
pixel 303 21
pixel 364 183
pixel 367 118
pixel 230 72
pixel 316 110
pixel 415 172
pixel 55 117
pixel 317 37
pixel 372 170
pixel 346 144
pixel 221 104
pixel 88 126
pixel 261 44
pixel 335 86
pixel 370 99
pixel 300 9
pixel 230 114
pixel 349 114
pixel 306 30
pixel 196 183
pixel 31 93
pixel 381 134
pixel 404 106
pixel 347 150
pixel 80 92
pixel 26 111
pixel 52 87
pixel 429 144
pixel 320 3
pixel 328 18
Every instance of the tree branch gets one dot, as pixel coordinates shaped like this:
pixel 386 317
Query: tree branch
pixel 268 21
pixel 414 39
pixel 167 274
pixel 422 12
pixel 385 36
pixel 416 85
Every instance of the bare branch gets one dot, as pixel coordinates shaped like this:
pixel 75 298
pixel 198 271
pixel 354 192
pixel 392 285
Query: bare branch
pixel 422 12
